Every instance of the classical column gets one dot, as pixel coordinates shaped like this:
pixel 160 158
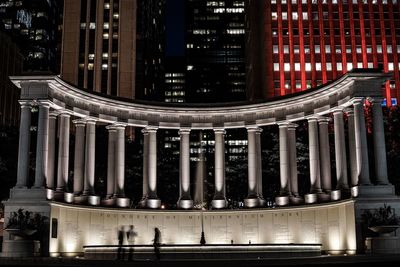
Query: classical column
pixel 79 158
pixel 152 200
pixel 185 200
pixel 90 158
pixel 284 159
pixel 284 165
pixel 252 199
pixel 325 157
pixel 145 165
pixel 63 152
pixel 24 144
pixel 379 142
pixel 294 186
pixel 120 161
pixel 111 161
pixel 340 150
pixel 352 147
pixel 219 200
pixel 313 142
pixel 51 150
pixel 42 145
pixel 361 142
pixel 259 167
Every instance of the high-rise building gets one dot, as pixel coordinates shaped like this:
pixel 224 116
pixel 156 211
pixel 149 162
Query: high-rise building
pixel 150 50
pixel 215 51
pixel 33 25
pixel 99 46
pixel 11 61
pixel 305 43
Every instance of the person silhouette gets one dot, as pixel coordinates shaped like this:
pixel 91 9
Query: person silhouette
pixel 157 243
pixel 120 254
pixel 130 236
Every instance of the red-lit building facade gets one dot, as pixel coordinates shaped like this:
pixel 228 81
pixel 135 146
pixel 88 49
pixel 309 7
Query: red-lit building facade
pixel 305 43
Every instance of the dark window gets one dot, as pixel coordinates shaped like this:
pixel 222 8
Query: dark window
pixel 54 228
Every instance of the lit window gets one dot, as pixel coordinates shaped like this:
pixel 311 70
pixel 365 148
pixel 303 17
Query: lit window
pixel 327 49
pixel 359 65
pixel 286 49
pixel 104 66
pixel 91 56
pixel 106 26
pixel 349 66
pixel 297 66
pixel 390 66
pixel 276 49
pixel 92 25
pixel 328 66
pixel 379 49
pixel 105 55
pixel 317 49
pixel 286 67
pixel 305 15
pixel 318 66
pixel 274 16
pixel 90 66
pixel 276 66
pixel 369 50
pixel 339 66
pixel 189 67
pixel 389 49
pixel 308 66
pixel 115 15
pixel 358 50
pixel 370 65
pixel 105 35
pixel 294 15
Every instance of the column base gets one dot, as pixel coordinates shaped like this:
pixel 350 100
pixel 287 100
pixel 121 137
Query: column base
pixel 58 195
pixel 81 199
pixel 123 202
pixel 263 202
pixel 94 200
pixel 311 198
pixel 296 200
pixel 282 201
pixel 252 202
pixel 153 203
pixel 373 191
pixel 219 203
pixel 49 194
pixel 336 195
pixel 108 202
pixel 325 197
pixel 68 197
pixel 185 204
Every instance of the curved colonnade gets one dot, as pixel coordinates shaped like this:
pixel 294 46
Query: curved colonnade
pixel 60 101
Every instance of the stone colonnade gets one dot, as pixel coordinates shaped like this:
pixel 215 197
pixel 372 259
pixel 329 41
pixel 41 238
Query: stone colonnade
pixel 83 190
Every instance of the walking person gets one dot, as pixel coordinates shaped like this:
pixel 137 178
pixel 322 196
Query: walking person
pixel 157 243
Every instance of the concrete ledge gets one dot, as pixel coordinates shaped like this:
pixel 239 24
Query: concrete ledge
pixel 216 251
pixel 383 245
pixel 375 190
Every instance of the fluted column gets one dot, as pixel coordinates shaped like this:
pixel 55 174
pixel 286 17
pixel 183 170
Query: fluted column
pixel 90 157
pixel 361 142
pixel 79 158
pixel 379 142
pixel 63 152
pixel 51 150
pixel 313 142
pixel 185 200
pixel 352 147
pixel 284 159
pixel 24 144
pixel 145 164
pixel 152 200
pixel 111 161
pixel 294 187
pixel 120 161
pixel 252 199
pixel 340 150
pixel 42 145
pixel 219 200
pixel 325 157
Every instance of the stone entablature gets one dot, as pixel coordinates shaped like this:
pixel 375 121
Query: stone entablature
pixel 63 96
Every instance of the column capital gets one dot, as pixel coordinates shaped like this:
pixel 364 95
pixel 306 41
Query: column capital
pixel 219 131
pixel 53 114
pixel 292 126
pixel 151 128
pixel 64 113
pixel 358 100
pixel 90 121
pixel 283 124
pixel 43 102
pixel 324 120
pixel 79 122
pixel 184 131
pixel 338 109
pixel 26 103
pixel 254 128
pixel 116 126
pixel 313 118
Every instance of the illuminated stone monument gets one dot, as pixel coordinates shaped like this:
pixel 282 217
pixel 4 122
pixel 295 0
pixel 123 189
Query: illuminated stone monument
pixel 81 220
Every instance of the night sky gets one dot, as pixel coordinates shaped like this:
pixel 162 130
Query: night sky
pixel 175 37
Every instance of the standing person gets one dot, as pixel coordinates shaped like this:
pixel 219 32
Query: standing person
pixel 130 236
pixel 120 244
pixel 157 243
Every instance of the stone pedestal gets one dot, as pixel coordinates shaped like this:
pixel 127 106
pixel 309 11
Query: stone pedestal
pixel 382 245
pixel 20 248
pixel 282 201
